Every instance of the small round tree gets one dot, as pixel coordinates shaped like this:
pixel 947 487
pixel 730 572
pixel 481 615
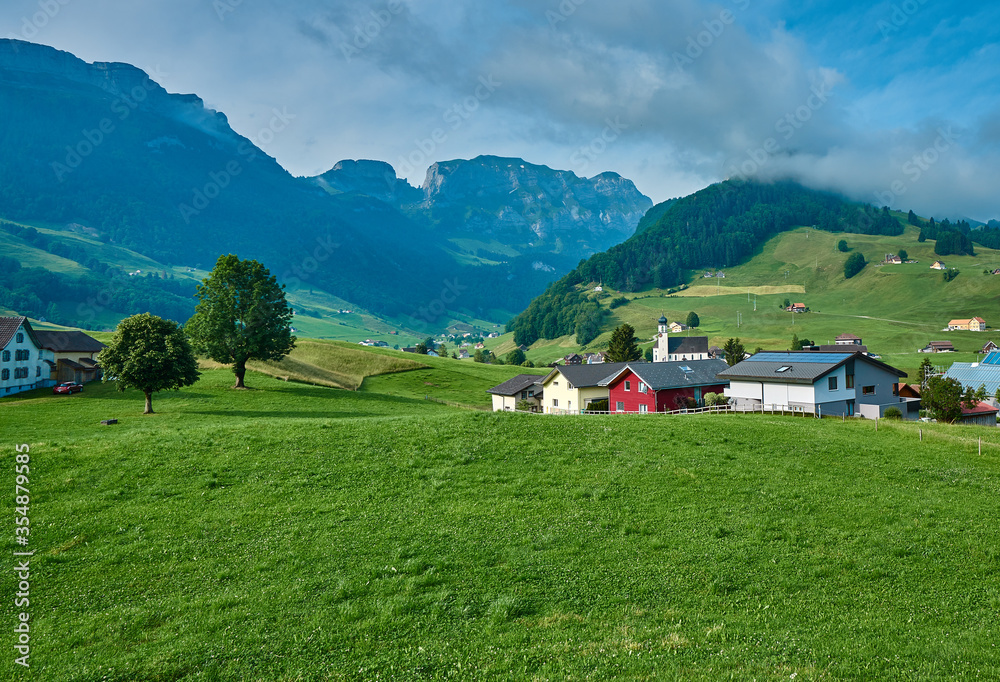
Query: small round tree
pixel 150 354
pixel 692 320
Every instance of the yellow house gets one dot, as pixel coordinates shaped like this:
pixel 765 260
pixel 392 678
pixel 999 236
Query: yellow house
pixel 74 355
pixel 976 324
pixel 570 389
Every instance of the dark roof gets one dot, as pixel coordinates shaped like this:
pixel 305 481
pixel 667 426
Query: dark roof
pixel 68 342
pixel 87 362
pixel 587 375
pixel 687 345
pixel 839 348
pixel 514 386
pixel 662 320
pixel 940 344
pixel 9 327
pixel 846 337
pixel 663 375
pixel 72 365
pixel 803 367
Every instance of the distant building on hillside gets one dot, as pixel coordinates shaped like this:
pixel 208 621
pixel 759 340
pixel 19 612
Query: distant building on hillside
pixel 939 265
pixel 975 324
pixel 848 340
pixel 938 347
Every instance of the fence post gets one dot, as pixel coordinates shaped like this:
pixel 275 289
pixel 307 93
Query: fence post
pixel 921 430
pixel 980 446
pixel 876 424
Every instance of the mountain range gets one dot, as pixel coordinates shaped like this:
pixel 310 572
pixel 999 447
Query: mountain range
pixel 105 149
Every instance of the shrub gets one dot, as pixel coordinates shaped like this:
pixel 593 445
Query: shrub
pixel 893 413
pixel 618 302
pixel 599 406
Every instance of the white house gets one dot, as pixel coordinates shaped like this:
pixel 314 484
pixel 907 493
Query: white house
pixel 673 348
pixel 507 395
pixel 820 383
pixel 24 363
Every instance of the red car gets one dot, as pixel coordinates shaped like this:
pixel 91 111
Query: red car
pixel 67 387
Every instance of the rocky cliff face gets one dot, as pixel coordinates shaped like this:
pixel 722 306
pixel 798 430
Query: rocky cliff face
pixel 376 179
pixel 510 198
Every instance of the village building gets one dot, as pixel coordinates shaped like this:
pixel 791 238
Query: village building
pixel 570 389
pixel 989 348
pixel 938 347
pixel 74 354
pixel 938 265
pixel 663 386
pixel 975 324
pixel 983 414
pixel 848 340
pixel 573 359
pixel 823 384
pixel 525 387
pixel 975 374
pixel 25 364
pixel 668 348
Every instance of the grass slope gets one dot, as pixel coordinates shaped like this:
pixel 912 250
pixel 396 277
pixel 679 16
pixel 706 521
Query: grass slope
pixel 302 533
pixel 896 309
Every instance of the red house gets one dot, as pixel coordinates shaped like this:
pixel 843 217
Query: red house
pixel 661 386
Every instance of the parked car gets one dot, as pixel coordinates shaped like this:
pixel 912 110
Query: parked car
pixel 67 387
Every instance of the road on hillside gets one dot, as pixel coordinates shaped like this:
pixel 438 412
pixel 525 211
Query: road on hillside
pixel 880 319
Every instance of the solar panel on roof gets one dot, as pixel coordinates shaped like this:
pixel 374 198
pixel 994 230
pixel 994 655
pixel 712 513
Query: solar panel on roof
pixel 992 359
pixel 791 358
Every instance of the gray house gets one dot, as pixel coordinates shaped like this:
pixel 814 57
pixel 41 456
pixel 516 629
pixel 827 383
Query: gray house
pixel 819 383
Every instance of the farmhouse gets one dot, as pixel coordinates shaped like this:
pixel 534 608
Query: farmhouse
pixel 677 327
pixel 938 347
pixel 796 308
pixel 24 363
pixel 74 355
pixel 848 340
pixel 573 359
pixel 672 348
pixel 824 384
pixel 569 389
pixel 976 324
pixel 938 265
pixel 522 387
pixel 989 348
pixel 663 386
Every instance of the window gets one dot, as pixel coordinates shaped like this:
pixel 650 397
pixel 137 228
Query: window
pixel 20 338
pixel 895 390
pixel 642 387
pixel 850 381
pixel 628 385
pixel 4 374
pixel 6 356
pixel 38 371
pixel 524 395
pixel 833 383
pixel 868 390
pixel 555 403
pixel 21 355
pixel 643 409
pixel 619 406
pixel 782 369
pixel 531 394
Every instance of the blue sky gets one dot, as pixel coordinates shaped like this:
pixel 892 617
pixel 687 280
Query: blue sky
pixel 889 102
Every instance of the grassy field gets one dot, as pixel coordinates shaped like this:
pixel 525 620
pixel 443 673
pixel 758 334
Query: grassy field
pixel 895 309
pixel 294 532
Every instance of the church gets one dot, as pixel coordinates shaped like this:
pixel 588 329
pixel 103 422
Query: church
pixel 673 348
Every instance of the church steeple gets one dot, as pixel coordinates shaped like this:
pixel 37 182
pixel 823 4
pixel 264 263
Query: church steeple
pixel 662 322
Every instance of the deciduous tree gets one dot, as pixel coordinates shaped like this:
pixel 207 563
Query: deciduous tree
pixel 242 316
pixel 150 354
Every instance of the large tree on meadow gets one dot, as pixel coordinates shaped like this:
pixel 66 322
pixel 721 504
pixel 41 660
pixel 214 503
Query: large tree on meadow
pixel 150 354
pixel 242 315
pixel 734 351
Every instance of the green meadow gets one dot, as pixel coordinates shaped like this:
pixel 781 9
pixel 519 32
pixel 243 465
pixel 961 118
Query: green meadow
pixel 895 309
pixel 301 532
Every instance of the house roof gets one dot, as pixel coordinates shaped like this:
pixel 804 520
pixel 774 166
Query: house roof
pixel 975 374
pixel 848 337
pixel 941 344
pixel 9 327
pixel 687 345
pixel 958 322
pixel 663 375
pixel 585 376
pixel 796 367
pixel 514 386
pixel 69 342
pixel 979 320
pixel 981 409
pixel 72 365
